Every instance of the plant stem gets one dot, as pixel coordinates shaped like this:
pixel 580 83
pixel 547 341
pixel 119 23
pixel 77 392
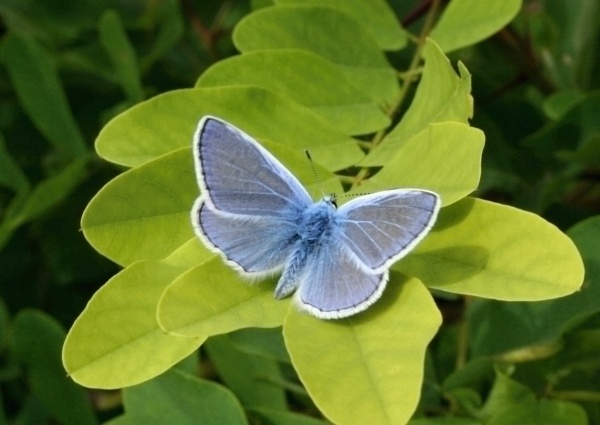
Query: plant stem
pixel 408 78
pixel 577 395
pixel 462 345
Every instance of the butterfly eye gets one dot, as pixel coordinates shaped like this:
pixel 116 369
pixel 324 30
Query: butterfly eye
pixel 333 202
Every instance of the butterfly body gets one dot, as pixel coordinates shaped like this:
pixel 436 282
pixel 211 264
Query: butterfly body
pixel 260 219
pixel 317 225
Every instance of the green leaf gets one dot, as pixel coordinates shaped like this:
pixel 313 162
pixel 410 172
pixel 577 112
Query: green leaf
pixel 122 55
pixel 254 379
pixel 29 205
pixel 444 420
pixel 512 403
pixel 559 103
pixel 466 22
pixel 32 412
pixel 376 17
pixel 530 323
pixel 265 342
pixel 4 332
pixel 378 378
pixel 52 22
pixel 474 374
pixel 50 192
pixel 38 338
pixel 144 213
pixel 495 251
pixel 308 79
pixel 211 299
pixel 581 350
pixel 168 121
pixel 116 341
pixel 171 29
pixel 276 417
pixel 34 77
pixel 565 29
pixel 176 398
pixel 444 157
pixel 587 153
pixel 569 135
pixel 11 175
pixel 441 96
pixel 506 393
pixel 326 32
pixel 123 420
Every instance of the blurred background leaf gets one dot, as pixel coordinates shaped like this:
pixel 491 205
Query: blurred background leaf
pixel 67 68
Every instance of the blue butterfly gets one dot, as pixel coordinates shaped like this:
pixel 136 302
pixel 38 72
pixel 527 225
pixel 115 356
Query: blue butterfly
pixel 260 219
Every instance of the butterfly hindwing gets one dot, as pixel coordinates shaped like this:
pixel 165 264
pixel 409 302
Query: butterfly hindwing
pixel 254 247
pixel 335 285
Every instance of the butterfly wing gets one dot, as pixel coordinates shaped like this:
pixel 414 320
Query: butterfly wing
pixel 381 228
pixel 250 202
pixel 238 176
pixel 335 285
pixel 254 247
pixel 348 272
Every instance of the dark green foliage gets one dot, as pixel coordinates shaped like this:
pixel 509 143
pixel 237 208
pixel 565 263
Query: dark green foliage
pixel 69 67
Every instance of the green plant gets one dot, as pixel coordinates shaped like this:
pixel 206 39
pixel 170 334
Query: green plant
pixel 378 107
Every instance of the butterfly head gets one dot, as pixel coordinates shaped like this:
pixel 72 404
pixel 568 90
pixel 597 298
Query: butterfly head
pixel 331 200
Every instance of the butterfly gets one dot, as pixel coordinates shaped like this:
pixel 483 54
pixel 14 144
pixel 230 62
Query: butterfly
pixel 260 219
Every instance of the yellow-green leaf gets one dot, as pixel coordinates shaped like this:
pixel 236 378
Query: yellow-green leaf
pixel 144 213
pixel 211 299
pixel 495 251
pixel 116 341
pixel 326 32
pixel 366 368
pixel 441 95
pixel 167 122
pixel 306 78
pixel 375 16
pixel 465 22
pixel 444 157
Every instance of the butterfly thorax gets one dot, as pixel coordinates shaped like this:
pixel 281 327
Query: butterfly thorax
pixel 315 227
pixel 317 222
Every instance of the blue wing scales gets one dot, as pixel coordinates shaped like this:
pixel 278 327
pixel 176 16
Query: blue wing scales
pixel 254 247
pixel 250 202
pixel 381 228
pixel 335 285
pixel 238 176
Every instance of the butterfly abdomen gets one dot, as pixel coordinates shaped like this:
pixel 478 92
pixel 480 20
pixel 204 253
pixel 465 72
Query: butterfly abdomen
pixel 315 228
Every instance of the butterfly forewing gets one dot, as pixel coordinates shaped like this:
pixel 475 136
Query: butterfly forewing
pixel 383 227
pixel 239 176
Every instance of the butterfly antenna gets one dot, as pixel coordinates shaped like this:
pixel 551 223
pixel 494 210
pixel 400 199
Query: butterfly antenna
pixel 312 167
pixel 348 195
